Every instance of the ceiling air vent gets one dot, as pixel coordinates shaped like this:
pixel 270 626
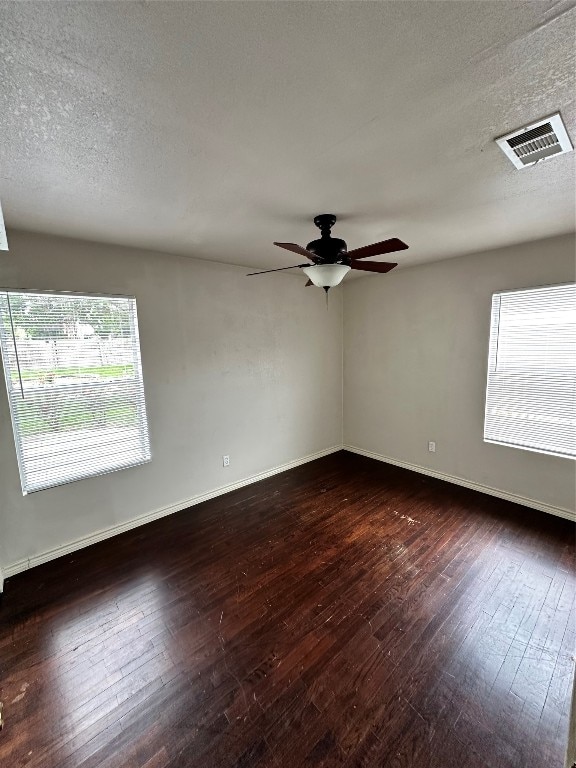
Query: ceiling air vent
pixel 535 142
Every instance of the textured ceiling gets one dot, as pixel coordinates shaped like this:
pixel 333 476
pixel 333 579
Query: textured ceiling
pixel 210 129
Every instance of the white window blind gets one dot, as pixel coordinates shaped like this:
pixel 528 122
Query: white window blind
pixel 531 390
pixel 74 383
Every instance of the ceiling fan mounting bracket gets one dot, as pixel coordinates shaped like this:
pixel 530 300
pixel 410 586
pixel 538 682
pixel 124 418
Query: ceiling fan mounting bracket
pixel 325 222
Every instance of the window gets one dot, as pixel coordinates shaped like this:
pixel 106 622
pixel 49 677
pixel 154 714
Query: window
pixel 74 383
pixel 531 391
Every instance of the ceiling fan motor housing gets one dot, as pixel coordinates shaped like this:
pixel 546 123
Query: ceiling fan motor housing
pixel 328 249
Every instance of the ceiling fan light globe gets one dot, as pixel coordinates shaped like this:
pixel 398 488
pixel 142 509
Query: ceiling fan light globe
pixel 326 275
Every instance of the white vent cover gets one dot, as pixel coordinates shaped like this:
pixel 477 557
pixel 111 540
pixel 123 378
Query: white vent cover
pixel 3 238
pixel 535 142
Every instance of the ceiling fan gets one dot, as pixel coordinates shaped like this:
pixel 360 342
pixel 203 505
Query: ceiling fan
pixel 331 259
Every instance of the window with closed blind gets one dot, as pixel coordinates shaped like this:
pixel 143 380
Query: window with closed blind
pixel 74 383
pixel 531 390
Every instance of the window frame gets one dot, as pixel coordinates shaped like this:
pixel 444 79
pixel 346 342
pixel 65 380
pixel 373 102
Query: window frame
pixel 531 289
pixel 135 335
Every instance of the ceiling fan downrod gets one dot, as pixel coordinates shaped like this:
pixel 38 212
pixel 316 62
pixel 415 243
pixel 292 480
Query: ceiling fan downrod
pixel 325 222
pixel 328 249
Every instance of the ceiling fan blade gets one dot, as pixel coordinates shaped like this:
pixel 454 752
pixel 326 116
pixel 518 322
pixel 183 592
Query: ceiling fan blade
pixel 297 249
pixel 373 266
pixel 378 249
pixel 265 271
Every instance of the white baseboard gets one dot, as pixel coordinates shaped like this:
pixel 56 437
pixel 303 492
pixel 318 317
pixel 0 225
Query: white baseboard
pixel 540 505
pixel 106 533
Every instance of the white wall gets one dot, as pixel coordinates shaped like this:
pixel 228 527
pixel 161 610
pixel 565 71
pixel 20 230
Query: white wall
pixel 250 367
pixel 415 361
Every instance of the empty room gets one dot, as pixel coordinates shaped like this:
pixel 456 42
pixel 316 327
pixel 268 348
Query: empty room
pixel 288 384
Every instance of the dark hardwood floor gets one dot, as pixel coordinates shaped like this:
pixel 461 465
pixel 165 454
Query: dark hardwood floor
pixel 345 613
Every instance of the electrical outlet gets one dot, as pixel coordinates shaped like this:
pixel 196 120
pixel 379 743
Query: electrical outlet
pixel 432 446
pixel 225 461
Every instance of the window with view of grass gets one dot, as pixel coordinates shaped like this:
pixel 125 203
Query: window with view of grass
pixel 531 388
pixel 74 384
